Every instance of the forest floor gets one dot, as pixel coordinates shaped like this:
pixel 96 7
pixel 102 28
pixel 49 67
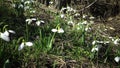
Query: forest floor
pixel 109 27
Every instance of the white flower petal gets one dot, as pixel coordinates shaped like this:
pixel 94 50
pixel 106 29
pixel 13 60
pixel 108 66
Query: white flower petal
pixel 6 33
pixel 42 21
pixel 62 15
pixel 116 41
pixel 28 43
pixel 94 49
pixel 54 30
pixel 21 46
pixel 93 43
pixel 38 23
pixel 11 31
pixel 5 36
pixel 33 19
pixel 117 59
pixel 60 30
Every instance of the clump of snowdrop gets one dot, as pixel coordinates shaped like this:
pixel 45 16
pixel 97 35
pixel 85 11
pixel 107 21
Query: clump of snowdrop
pixel 23 44
pixel 117 59
pixel 60 30
pixel 5 35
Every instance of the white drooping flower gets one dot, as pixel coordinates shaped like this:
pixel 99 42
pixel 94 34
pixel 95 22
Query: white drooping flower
pixel 116 41
pixel 20 6
pixel 62 15
pixel 54 30
pixel 51 2
pixel 70 22
pixel 28 43
pixel 96 48
pixel 23 44
pixel 84 16
pixel 39 22
pixel 27 2
pixel 60 30
pixel 29 21
pixel 5 36
pixel 117 59
pixel 94 42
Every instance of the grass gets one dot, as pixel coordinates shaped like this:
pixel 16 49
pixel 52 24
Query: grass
pixel 71 48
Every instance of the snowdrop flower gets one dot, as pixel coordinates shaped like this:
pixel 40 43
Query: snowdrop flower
pixel 87 28
pixel 116 41
pixel 84 16
pixel 70 22
pixel 62 15
pixel 117 59
pixel 27 2
pixel 20 6
pixel 94 42
pixel 51 2
pixel 42 21
pixel 60 30
pixel 5 36
pixel 23 44
pixel 54 30
pixel 69 9
pixel 96 48
pixel 63 9
pixel 30 20
pixel 28 43
pixel 39 22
